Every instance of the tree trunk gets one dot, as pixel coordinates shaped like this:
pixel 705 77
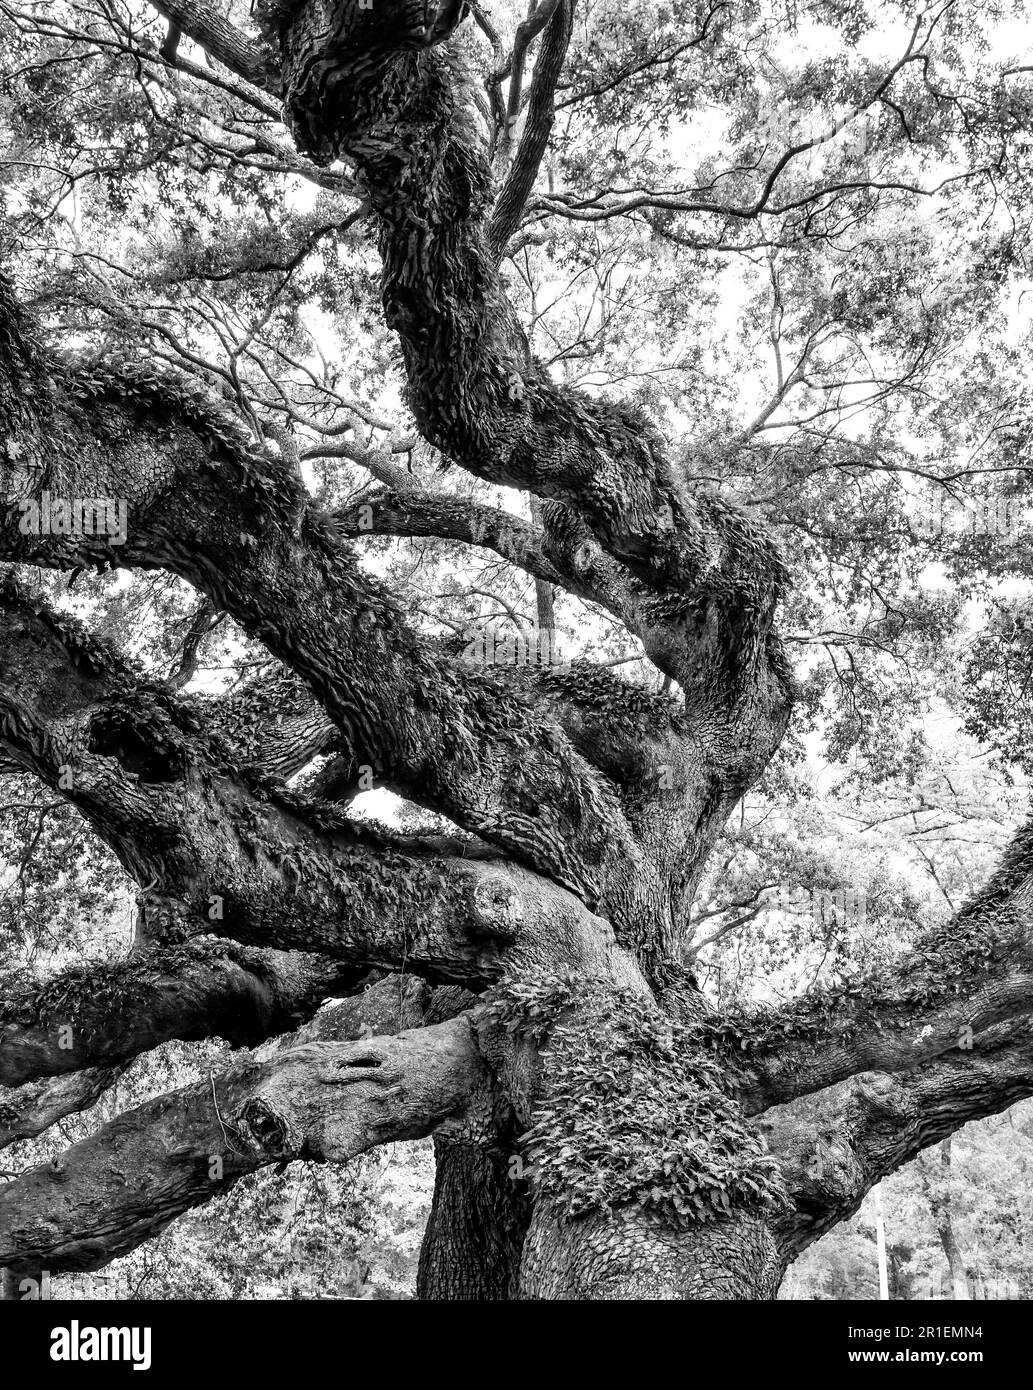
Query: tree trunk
pixel 944 1212
pixel 472 1246
pixel 627 1256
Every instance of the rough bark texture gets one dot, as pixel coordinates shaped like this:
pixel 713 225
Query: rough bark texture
pixel 628 1257
pixel 475 1236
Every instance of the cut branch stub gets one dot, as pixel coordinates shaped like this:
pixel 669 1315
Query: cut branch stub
pixel 497 907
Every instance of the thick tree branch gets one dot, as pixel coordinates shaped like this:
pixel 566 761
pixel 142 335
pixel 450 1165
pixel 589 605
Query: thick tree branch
pixel 577 565
pixel 316 1100
pixel 835 1145
pixel 274 724
pixel 98 1016
pixel 476 393
pixel 27 1111
pixel 244 532
pixel 218 37
pixel 958 981
pixel 233 854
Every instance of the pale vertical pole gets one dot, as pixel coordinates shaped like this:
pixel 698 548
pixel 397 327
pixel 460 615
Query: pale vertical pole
pixel 880 1244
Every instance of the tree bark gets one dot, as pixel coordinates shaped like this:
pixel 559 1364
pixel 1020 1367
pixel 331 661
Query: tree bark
pixel 475 1235
pixel 599 1132
pixel 630 1257
pixel 943 1214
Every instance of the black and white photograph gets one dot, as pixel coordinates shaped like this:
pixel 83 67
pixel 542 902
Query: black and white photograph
pixel 516 673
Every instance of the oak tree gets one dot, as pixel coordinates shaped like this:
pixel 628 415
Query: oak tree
pixel 686 317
